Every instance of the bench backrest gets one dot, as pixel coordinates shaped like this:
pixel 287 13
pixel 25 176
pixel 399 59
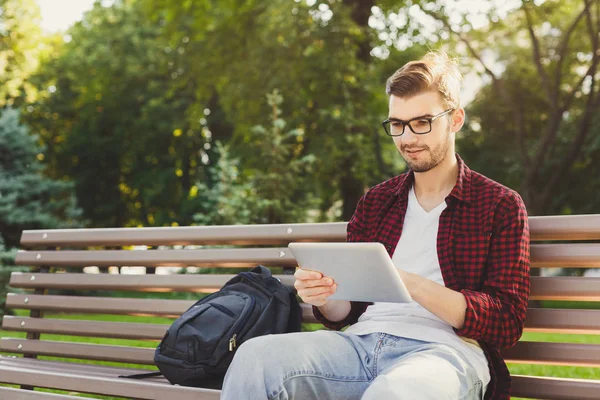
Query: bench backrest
pixel 57 288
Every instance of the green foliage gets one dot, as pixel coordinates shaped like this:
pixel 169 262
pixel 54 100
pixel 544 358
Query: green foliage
pixel 27 199
pixel 312 55
pixel 271 188
pixel 20 45
pixel 500 136
pixel 135 90
pixel 131 108
pixel 534 126
pixel 115 122
pixel 7 260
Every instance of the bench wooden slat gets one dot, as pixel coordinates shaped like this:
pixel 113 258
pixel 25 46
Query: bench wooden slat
pixel 568 227
pixel 565 288
pixel 541 320
pixel 119 387
pixel 7 393
pixel 548 320
pixel 122 330
pixel 538 320
pixel 534 387
pixel 571 255
pixel 187 235
pixel 85 351
pixel 110 305
pixel 118 330
pixel 233 258
pixel 107 305
pixel 565 227
pixel 542 288
pixel 523 386
pixel 81 368
pixel 142 283
pixel 566 354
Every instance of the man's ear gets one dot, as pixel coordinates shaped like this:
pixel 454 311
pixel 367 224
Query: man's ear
pixel 458 119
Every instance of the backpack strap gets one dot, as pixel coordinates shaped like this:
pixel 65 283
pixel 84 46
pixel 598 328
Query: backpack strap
pixel 295 317
pixel 141 376
pixel 263 271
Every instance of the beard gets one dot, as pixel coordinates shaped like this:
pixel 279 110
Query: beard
pixel 429 159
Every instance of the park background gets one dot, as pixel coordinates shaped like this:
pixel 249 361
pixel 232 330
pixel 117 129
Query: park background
pixel 177 112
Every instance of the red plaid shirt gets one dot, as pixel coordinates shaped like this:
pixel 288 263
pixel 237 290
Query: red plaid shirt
pixel 483 248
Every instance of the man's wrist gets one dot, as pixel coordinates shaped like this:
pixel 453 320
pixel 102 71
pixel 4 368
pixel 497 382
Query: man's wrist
pixel 335 310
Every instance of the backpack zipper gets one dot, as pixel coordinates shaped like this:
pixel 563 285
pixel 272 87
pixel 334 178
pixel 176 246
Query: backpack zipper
pixel 240 325
pixel 232 342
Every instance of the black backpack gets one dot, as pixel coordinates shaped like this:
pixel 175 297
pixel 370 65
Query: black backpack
pixel 200 344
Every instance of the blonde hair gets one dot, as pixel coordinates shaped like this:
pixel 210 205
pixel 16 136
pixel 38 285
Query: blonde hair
pixel 436 72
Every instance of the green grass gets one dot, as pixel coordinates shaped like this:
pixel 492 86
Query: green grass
pixel 582 305
pixel 517 369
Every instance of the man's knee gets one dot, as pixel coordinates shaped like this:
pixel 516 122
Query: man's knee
pixel 255 344
pixel 253 351
pixel 264 352
pixel 250 371
pixel 260 365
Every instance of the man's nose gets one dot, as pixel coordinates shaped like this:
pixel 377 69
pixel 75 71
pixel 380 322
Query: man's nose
pixel 409 137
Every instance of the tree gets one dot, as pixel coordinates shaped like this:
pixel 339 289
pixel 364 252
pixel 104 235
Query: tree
pixel 544 98
pixel 28 200
pixel 114 120
pixel 20 45
pixel 317 55
pixel 125 105
pixel 7 267
pixel 273 189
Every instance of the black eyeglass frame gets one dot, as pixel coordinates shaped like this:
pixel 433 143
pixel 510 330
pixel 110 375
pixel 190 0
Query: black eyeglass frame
pixel 387 122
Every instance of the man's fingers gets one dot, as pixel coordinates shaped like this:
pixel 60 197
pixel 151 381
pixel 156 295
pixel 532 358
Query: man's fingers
pixel 320 298
pixel 313 288
pixel 308 283
pixel 308 293
pixel 304 274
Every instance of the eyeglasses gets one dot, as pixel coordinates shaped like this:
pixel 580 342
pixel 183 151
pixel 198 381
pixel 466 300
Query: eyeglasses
pixel 419 125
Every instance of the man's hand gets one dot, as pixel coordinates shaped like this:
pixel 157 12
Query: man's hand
pixel 313 288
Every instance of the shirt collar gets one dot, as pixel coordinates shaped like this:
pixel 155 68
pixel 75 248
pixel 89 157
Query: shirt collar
pixel 461 190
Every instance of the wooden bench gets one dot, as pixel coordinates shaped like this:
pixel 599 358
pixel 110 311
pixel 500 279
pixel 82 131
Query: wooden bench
pixel 58 257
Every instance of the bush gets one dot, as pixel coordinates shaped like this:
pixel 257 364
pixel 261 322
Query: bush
pixel 270 188
pixel 7 266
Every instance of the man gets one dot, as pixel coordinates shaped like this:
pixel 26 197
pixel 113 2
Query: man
pixel 461 245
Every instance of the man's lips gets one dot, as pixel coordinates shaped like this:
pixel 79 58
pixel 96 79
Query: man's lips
pixel 414 151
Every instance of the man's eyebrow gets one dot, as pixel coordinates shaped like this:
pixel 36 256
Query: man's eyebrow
pixel 405 120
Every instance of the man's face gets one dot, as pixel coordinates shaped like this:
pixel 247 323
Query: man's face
pixel 423 152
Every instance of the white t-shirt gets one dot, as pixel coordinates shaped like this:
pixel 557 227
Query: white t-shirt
pixel 416 252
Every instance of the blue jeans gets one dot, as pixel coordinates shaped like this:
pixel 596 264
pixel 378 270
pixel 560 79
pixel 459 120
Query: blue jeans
pixel 336 365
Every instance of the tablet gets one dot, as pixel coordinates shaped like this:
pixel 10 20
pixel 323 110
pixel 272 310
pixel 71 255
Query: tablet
pixel 362 271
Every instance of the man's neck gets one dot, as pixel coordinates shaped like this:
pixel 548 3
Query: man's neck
pixel 439 181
